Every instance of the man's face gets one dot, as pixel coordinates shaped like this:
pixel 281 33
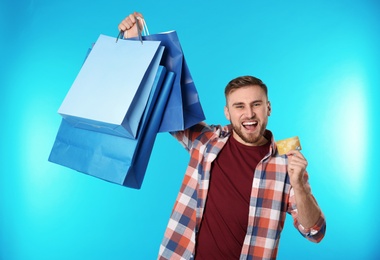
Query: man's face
pixel 248 109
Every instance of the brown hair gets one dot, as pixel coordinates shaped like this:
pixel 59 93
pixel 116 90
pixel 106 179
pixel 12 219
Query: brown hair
pixel 244 81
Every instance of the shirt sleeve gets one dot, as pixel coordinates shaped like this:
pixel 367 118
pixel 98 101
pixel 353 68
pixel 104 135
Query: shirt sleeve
pixel 315 233
pixel 189 136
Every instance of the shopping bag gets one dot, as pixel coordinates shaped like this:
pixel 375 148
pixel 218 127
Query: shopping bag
pixel 111 90
pixel 184 108
pixel 113 158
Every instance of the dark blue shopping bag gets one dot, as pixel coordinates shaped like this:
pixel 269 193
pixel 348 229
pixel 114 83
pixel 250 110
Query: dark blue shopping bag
pixel 184 108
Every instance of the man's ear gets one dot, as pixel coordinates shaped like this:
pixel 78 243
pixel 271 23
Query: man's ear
pixel 227 113
pixel 269 108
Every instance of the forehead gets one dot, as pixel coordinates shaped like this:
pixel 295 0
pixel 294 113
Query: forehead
pixel 247 94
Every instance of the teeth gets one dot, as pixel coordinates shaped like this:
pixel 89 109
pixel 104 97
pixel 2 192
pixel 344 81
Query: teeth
pixel 250 123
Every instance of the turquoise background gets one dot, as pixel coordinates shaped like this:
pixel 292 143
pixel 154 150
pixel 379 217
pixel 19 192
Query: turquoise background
pixel 320 59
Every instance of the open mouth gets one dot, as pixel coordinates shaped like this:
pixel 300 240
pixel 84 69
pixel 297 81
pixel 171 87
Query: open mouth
pixel 250 125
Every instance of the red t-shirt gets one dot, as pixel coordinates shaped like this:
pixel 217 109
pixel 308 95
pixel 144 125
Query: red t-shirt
pixel 225 220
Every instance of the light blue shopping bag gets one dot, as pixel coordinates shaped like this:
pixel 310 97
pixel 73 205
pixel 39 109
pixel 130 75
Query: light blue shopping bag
pixel 111 90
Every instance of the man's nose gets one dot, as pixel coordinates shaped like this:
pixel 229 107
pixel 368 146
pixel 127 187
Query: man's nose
pixel 250 113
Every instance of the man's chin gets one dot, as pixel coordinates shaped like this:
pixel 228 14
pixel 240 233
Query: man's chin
pixel 248 138
pixel 251 140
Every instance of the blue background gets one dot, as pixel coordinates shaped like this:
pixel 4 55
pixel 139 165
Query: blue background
pixel 320 59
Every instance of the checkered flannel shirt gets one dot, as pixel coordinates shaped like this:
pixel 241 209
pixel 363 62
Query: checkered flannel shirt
pixel 271 198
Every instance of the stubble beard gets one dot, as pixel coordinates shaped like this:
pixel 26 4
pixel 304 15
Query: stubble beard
pixel 253 138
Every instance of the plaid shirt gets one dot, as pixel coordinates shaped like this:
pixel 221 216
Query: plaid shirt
pixel 270 184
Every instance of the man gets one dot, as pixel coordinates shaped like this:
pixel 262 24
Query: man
pixel 237 188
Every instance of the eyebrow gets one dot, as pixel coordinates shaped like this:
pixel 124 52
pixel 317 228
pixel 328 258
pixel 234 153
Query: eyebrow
pixel 238 104
pixel 242 103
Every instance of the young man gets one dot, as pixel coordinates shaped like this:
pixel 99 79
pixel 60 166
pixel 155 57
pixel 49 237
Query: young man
pixel 237 188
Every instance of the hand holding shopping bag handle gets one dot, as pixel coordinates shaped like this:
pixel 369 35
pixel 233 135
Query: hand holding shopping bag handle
pixel 129 25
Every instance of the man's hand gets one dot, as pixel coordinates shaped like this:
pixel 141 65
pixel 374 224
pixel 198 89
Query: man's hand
pixel 129 25
pixel 308 211
pixel 296 169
